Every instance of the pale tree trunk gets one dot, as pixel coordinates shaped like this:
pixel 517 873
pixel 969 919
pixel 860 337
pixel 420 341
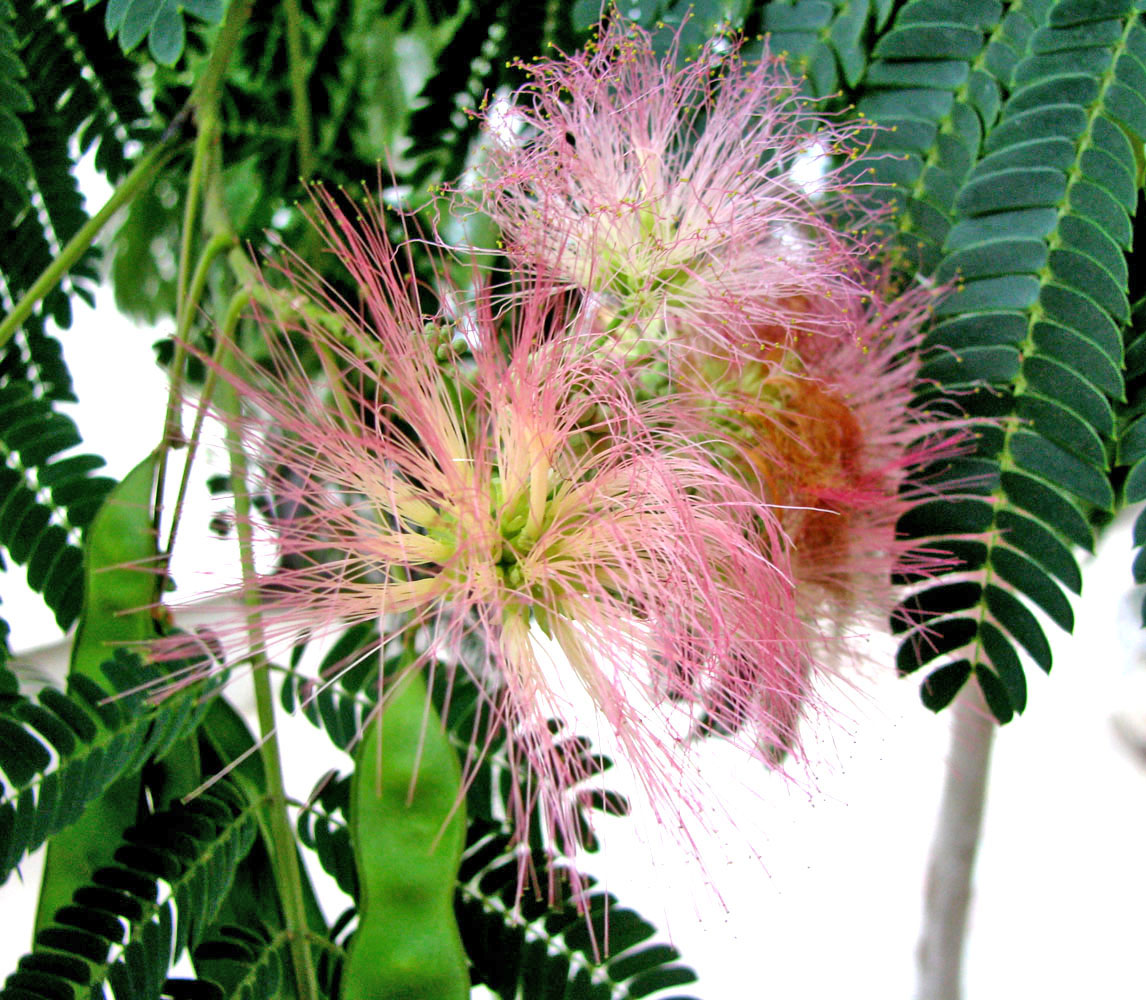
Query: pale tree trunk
pixel 947 891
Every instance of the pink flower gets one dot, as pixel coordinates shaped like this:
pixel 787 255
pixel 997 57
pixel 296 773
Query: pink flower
pixel 666 188
pixel 667 192
pixel 508 485
pixel 823 428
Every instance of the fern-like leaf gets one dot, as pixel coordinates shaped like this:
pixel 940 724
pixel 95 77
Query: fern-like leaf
pixel 526 948
pixel 194 849
pixel 45 499
pixel 1034 237
pixel 61 751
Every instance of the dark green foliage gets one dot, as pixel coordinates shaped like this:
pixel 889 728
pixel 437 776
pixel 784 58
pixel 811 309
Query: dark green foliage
pixel 242 963
pixel 45 499
pixel 493 931
pixel 1033 240
pixel 474 64
pixel 15 168
pixel 825 41
pixel 77 89
pixel 1007 150
pixel 530 947
pixel 195 849
pixel 62 750
pixel 322 828
pixel 933 104
pixel 63 89
pixel 159 21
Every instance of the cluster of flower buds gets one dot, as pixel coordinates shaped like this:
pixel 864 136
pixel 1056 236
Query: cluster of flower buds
pixel 674 439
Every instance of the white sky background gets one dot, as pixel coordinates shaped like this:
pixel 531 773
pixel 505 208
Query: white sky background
pixel 831 906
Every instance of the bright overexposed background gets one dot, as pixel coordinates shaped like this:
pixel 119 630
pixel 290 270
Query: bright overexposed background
pixel 811 888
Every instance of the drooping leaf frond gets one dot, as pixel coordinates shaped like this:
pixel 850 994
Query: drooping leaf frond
pixel 139 914
pixel 62 750
pixel 523 947
pixel 1016 177
pixel 45 499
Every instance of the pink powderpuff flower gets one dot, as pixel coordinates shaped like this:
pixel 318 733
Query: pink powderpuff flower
pixel 668 190
pixel 509 487
pixel 823 427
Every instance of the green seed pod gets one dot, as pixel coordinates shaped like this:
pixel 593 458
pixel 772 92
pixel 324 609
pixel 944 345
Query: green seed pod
pixel 407 830
pixel 119 592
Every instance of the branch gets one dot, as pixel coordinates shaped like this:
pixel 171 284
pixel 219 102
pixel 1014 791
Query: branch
pixel 947 891
pixel 75 248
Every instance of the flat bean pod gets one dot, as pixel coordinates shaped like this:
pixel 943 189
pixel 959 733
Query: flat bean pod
pixel 119 591
pixel 407 830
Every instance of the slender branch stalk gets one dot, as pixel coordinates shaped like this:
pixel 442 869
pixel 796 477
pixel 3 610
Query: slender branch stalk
pixel 204 102
pixel 140 176
pixel 299 98
pixel 205 396
pixel 947 891
pixel 206 91
pixel 285 858
pixel 172 424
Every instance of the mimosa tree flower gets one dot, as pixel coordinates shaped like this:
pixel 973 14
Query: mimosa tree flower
pixel 670 190
pixel 507 485
pixel 672 195
pixel 822 426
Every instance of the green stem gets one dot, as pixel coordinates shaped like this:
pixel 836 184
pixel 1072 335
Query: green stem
pixel 172 423
pixel 205 397
pixel 207 125
pixel 206 92
pixel 284 856
pixel 189 288
pixel 298 88
pixel 75 248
